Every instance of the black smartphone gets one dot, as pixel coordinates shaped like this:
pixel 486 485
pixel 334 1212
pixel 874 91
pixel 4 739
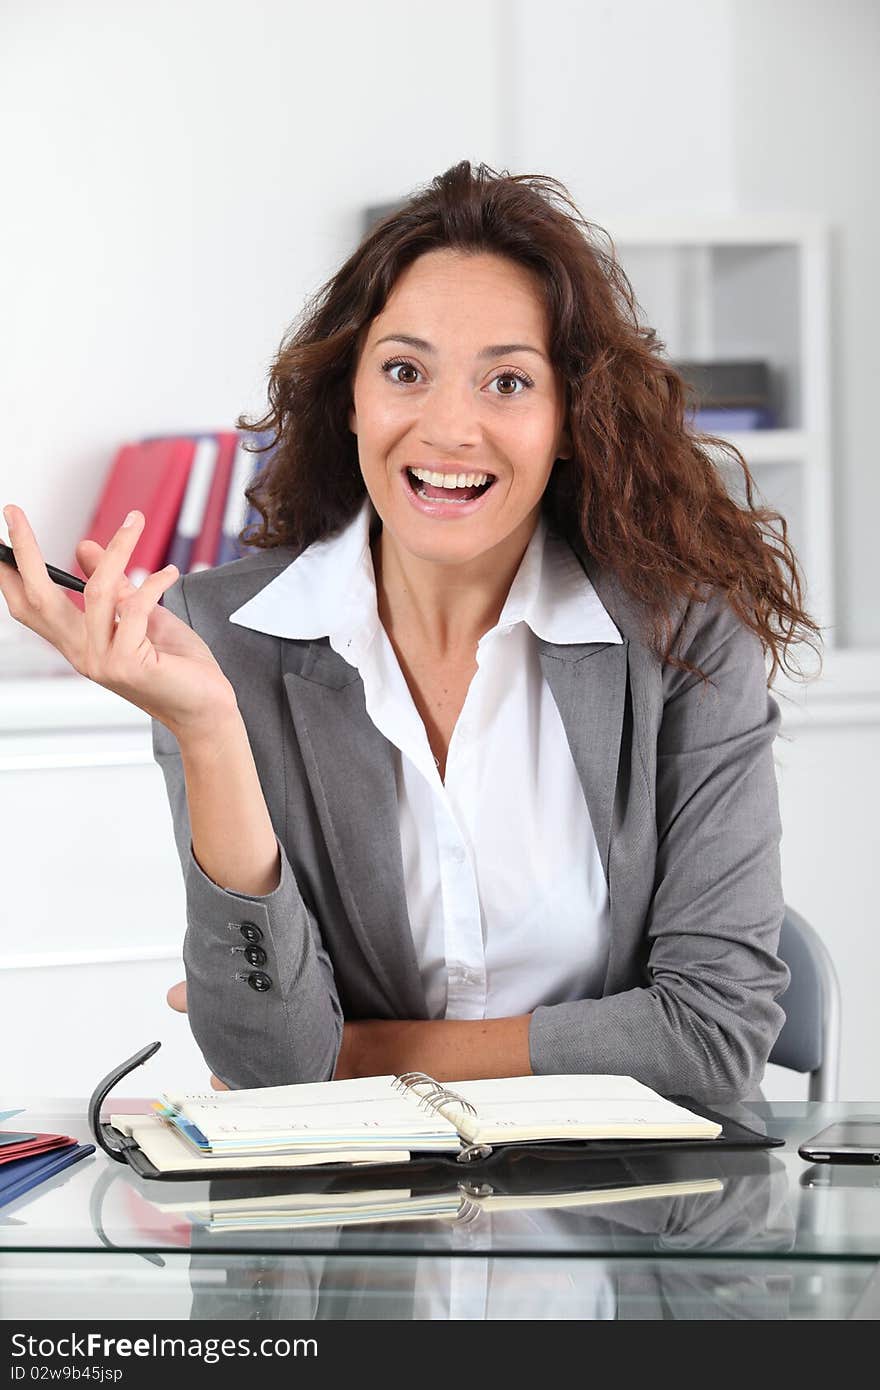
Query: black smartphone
pixel 67 581
pixel 850 1141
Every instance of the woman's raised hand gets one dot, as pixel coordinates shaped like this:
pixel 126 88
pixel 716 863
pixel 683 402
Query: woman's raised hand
pixel 148 655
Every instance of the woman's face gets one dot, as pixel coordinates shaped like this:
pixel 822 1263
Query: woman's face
pixel 477 394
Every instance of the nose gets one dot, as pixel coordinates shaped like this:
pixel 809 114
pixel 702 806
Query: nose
pixel 449 417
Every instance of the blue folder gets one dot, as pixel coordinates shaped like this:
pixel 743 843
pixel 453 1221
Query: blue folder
pixel 22 1174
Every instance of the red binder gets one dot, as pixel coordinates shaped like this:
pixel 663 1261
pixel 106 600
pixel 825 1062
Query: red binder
pixel 207 544
pixel 150 476
pixel 10 1150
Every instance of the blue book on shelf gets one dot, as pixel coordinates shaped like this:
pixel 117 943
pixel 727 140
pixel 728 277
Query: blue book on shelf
pixel 732 418
pixel 23 1174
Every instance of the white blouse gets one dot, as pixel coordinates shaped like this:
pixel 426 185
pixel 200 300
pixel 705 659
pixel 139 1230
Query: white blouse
pixel 507 899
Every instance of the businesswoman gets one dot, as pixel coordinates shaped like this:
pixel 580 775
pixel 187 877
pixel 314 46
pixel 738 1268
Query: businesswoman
pixel 469 762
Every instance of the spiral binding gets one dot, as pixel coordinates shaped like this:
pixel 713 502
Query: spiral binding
pixel 434 1100
pixel 436 1097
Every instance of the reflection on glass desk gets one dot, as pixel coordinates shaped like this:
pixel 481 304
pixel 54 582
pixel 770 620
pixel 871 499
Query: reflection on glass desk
pixel 756 1233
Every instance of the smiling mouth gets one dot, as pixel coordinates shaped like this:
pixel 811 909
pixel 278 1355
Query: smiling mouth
pixel 446 494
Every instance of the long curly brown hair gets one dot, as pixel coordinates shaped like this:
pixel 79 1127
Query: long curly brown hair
pixel 641 486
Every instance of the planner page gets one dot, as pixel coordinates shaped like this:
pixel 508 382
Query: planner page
pixel 170 1153
pixel 522 1108
pixel 363 1113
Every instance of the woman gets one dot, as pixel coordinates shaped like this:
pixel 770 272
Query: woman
pixel 476 780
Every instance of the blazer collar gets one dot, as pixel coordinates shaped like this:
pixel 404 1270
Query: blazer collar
pixel 329 591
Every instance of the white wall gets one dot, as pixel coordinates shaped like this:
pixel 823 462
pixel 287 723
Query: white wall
pixel 629 104
pixel 829 870
pixel 179 178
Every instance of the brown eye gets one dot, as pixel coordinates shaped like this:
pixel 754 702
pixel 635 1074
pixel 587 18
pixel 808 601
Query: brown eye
pixel 394 362
pixel 516 379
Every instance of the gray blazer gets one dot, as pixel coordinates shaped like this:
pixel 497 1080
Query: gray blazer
pixel 681 789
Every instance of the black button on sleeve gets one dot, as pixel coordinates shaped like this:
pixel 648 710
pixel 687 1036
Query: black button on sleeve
pixel 255 955
pixel 251 932
pixel 260 981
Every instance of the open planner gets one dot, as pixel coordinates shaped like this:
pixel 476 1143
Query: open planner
pixel 387 1119
pixel 392 1120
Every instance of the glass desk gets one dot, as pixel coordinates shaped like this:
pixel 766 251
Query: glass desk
pixel 747 1234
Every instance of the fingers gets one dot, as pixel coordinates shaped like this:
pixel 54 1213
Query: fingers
pixel 176 997
pixel 31 596
pixel 218 1085
pixel 11 584
pixel 97 644
pixel 134 614
pixel 88 554
pixel 111 645
pixel 32 581
pixel 102 591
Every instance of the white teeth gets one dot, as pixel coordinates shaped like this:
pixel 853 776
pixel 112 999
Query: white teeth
pixel 450 480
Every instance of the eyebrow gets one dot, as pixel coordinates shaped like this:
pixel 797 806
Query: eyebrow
pixel 493 350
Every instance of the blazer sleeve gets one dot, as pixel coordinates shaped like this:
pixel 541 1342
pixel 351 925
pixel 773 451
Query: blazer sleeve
pixel 287 1033
pixel 704 1022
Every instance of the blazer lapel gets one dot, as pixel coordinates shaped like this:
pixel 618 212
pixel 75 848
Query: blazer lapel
pixel 350 767
pixel 588 683
pixel 595 698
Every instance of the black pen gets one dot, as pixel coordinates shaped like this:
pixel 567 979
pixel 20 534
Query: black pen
pixel 67 581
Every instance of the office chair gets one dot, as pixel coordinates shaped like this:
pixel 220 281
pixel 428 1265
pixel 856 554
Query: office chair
pixel 810 1037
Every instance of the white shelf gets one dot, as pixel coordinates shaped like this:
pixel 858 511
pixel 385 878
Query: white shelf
pixel 39 691
pixel 769 446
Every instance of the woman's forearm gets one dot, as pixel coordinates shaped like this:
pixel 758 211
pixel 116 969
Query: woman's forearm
pixel 233 838
pixel 446 1049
